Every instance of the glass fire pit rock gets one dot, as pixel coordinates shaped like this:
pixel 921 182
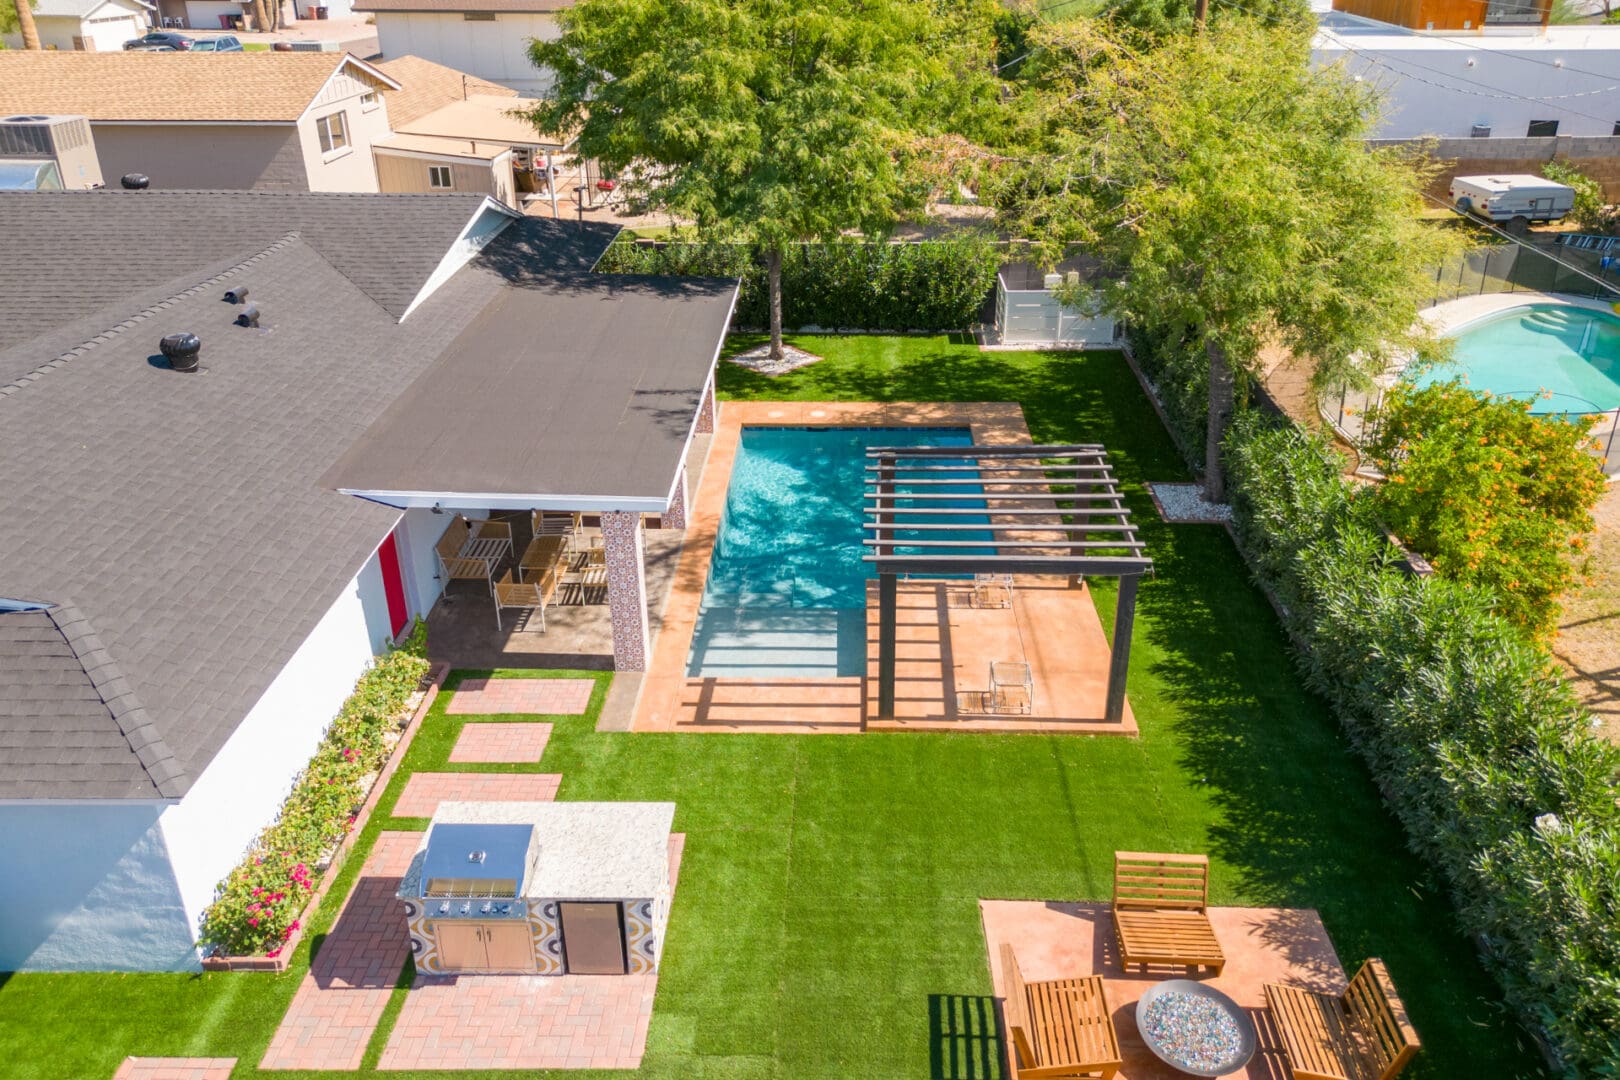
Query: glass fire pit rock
pixel 1195 1028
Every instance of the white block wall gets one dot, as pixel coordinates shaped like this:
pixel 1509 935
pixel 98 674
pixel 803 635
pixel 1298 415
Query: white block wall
pixel 497 50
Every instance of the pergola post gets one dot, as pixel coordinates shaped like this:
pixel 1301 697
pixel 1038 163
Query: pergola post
pixel 675 516
pixel 627 588
pixel 706 410
pixel 888 601
pixel 1119 658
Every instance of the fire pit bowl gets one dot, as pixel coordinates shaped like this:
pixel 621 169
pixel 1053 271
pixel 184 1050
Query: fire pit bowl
pixel 1195 1028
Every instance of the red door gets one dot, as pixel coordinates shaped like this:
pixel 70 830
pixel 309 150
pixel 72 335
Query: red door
pixel 393 585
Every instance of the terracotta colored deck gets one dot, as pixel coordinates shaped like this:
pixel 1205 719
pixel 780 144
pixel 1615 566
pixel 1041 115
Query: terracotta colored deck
pixel 1055 940
pixel 945 647
pixel 526 1021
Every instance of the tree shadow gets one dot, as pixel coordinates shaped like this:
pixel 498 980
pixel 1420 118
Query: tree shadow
pixel 964 1038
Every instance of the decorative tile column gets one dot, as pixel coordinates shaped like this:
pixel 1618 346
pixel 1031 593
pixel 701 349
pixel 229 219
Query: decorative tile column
pixel 627 588
pixel 675 516
pixel 706 411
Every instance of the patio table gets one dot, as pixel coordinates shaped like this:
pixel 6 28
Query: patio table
pixel 1194 1028
pixel 542 554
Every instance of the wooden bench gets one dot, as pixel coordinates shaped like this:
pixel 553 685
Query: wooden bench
pixel 1161 910
pixel 1361 1034
pixel 1060 1029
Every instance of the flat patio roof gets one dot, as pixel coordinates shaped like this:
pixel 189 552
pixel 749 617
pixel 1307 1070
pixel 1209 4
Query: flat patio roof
pixel 576 393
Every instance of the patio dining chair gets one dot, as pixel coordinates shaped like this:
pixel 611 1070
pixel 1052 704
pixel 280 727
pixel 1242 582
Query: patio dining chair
pixel 567 524
pixel 534 595
pixel 992 590
pixel 1012 687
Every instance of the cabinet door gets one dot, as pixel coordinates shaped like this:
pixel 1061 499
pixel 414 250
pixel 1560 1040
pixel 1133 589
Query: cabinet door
pixel 593 938
pixel 461 946
pixel 510 946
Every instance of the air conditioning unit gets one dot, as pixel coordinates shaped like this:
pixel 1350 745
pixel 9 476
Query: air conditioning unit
pixel 63 140
pixel 1480 131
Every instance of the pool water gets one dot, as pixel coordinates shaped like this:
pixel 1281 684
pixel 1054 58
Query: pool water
pixel 786 595
pixel 1565 358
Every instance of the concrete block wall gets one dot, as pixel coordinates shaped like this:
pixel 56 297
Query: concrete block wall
pixel 1596 155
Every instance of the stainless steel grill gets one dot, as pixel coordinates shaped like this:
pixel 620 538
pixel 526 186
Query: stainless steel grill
pixel 476 863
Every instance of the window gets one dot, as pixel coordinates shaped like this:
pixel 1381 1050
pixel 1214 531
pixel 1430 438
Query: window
pixel 333 131
pixel 1616 130
pixel 439 177
pixel 478 16
pixel 1542 129
pixel 368 100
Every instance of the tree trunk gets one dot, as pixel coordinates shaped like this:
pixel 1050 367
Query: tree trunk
pixel 25 25
pixel 261 16
pixel 1220 414
pixel 773 273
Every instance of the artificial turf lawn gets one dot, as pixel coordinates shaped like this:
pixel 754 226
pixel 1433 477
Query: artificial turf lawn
pixel 826 920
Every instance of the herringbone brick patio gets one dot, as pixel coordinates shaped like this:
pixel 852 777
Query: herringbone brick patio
pixel 501 742
pixel 563 697
pixel 425 791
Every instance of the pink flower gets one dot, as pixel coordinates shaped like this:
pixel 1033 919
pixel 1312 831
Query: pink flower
pixel 253 922
pixel 274 952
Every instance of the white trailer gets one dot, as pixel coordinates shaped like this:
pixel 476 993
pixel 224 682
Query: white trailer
pixel 1511 197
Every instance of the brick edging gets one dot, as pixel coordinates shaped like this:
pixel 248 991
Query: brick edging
pixel 436 675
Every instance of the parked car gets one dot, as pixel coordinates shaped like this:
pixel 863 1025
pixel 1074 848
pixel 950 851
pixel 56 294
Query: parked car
pixel 161 41
pixel 1515 198
pixel 223 43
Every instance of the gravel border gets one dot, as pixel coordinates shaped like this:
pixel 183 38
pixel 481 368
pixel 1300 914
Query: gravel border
pixel 759 360
pixel 1185 503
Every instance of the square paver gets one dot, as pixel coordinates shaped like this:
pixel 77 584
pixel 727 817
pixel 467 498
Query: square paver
pixel 175 1068
pixel 425 791
pixel 526 1021
pixel 550 697
pixel 501 742
pixel 346 989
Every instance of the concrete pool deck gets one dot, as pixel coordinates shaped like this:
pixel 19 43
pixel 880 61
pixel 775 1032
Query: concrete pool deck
pixel 946 645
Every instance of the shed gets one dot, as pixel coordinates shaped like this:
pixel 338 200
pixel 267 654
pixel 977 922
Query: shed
pixel 1028 312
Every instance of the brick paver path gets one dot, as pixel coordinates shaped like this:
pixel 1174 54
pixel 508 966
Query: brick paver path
pixel 175 1068
pixel 564 697
pixel 526 1021
pixel 342 997
pixel 424 791
pixel 501 742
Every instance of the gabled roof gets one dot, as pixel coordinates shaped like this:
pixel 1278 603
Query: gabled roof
pixel 257 87
pixel 178 523
pixel 103 251
pixel 425 86
pixel 510 7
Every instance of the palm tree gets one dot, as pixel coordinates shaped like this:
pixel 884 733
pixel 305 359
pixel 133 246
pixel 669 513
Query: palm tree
pixel 25 25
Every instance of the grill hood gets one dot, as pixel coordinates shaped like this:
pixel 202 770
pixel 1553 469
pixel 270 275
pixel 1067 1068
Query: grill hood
pixel 476 861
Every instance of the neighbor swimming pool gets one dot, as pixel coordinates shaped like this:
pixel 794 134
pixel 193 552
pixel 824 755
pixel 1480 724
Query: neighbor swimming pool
pixel 1565 358
pixel 786 595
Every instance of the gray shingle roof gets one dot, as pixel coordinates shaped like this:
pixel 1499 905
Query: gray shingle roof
pixel 176 521
pixel 93 251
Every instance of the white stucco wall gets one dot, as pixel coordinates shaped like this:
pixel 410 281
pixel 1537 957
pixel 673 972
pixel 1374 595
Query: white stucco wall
pixel 120 886
pixel 416 534
pixel 88 886
pixel 497 51
pixel 351 168
pixel 1443 86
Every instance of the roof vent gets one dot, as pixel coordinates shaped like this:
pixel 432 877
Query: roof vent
pixel 134 181
pixel 237 295
pixel 249 316
pixel 181 351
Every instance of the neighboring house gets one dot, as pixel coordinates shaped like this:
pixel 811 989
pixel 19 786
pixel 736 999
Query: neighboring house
pixel 1505 98
pixel 87 25
pixel 195 568
pixel 472 145
pixel 269 121
pixel 426 87
pixel 488 39
pixel 1451 14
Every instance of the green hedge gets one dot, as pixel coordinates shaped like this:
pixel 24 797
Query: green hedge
pixel 1470 731
pixel 255 909
pixel 851 285
pixel 1179 371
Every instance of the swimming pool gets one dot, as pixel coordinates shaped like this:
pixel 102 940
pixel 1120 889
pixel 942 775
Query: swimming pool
pixel 1570 353
pixel 786 595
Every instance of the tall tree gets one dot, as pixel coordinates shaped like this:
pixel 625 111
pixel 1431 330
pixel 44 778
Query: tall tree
pixel 1230 186
pixel 22 17
pixel 775 123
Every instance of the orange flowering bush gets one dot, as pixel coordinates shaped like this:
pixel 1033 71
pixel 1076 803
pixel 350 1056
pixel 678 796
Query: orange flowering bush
pixel 1489 493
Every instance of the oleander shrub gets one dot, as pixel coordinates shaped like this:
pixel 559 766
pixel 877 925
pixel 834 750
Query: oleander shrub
pixel 1470 731
pixel 1489 493
pixel 851 285
pixel 255 909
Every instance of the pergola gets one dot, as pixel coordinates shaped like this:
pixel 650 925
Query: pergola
pixel 949 510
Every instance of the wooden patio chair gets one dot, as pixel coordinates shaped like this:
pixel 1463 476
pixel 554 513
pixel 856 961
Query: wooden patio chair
pixel 1161 910
pixel 534 595
pixel 564 523
pixel 1361 1034
pixel 1060 1029
pixel 490 529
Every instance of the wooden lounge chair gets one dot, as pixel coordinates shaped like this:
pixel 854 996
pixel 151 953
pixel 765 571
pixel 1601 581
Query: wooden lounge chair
pixel 1059 1029
pixel 1161 910
pixel 1361 1034
pixel 537 594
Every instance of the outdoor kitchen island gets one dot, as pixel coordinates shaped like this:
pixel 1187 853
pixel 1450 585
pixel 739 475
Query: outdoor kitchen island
pixel 546 888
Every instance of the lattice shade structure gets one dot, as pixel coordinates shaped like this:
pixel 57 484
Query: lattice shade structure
pixel 964 510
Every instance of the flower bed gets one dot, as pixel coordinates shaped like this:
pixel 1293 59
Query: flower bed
pixel 258 908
